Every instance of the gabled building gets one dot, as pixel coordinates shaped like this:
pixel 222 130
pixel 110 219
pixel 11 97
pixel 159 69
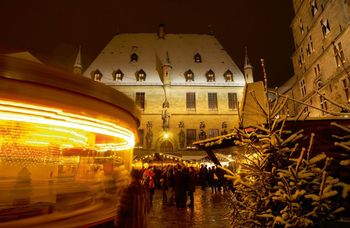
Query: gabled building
pixel 186 86
pixel 321 35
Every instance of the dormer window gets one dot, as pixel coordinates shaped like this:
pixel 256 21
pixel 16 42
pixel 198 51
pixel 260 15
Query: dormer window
pixel 134 57
pixel 197 58
pixel 210 76
pixel 189 76
pixel 118 75
pixel 228 76
pixel 96 75
pixel 140 76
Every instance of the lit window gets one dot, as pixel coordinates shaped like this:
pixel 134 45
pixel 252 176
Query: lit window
pixel 212 101
pixel 96 75
pixel 118 75
pixel 190 137
pixel 140 100
pixel 210 76
pixel 191 101
pixel 213 133
pixel 228 76
pixel 140 76
pixel 197 58
pixel 339 54
pixel 134 57
pixel 314 8
pixel 189 76
pixel 325 27
pixel 232 101
pixel 346 86
pixel 302 87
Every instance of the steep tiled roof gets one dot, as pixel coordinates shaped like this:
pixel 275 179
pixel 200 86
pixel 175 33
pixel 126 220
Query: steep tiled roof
pixel 176 50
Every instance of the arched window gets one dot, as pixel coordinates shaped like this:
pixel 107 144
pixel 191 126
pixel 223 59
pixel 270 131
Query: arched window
pixel 140 76
pixel 118 75
pixel 96 75
pixel 134 57
pixel 228 76
pixel 189 76
pixel 210 76
pixel 197 58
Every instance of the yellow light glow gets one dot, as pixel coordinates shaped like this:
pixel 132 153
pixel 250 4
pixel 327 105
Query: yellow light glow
pixel 15 111
pixel 37 143
pixel 112 146
pixel 166 136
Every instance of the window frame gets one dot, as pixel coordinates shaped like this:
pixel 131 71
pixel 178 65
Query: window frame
pixel 134 57
pixel 210 75
pixel 302 87
pixel 189 75
pixel 323 104
pixel 190 138
pixel 212 101
pixel 314 7
pixel 141 136
pixel 339 54
pixel 232 101
pixel 197 58
pixel 228 75
pixel 190 101
pixel 140 73
pixel 213 133
pixel 140 100
pixel 117 78
pixel 325 27
pixel 317 70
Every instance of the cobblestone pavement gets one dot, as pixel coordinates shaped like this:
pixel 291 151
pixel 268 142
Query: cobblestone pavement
pixel 210 210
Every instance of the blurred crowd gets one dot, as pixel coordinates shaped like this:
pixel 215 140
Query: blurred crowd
pixel 177 184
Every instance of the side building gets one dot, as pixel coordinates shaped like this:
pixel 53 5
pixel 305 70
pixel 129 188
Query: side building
pixel 186 86
pixel 321 32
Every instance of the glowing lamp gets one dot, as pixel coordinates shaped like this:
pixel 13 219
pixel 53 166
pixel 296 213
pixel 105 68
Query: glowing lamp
pixel 166 135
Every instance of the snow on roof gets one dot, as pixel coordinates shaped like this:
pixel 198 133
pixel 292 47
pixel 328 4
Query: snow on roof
pixel 176 50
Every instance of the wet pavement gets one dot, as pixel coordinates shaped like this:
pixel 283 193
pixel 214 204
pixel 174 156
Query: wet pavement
pixel 210 210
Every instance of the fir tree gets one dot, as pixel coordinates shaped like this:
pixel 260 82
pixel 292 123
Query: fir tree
pixel 280 183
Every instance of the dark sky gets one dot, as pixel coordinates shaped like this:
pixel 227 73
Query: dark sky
pixel 53 29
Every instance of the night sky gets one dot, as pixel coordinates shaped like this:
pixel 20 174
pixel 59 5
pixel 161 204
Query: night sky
pixel 52 30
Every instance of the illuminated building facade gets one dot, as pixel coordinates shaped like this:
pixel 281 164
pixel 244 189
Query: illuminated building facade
pixel 186 86
pixel 321 35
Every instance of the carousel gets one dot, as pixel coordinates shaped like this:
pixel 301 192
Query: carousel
pixel 66 145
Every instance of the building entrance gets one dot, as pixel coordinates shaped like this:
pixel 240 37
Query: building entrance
pixel 166 147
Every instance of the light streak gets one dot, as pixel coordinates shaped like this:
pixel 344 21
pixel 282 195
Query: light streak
pixel 16 111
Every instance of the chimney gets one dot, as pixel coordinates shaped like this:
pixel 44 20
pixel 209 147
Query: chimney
pixel 161 31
